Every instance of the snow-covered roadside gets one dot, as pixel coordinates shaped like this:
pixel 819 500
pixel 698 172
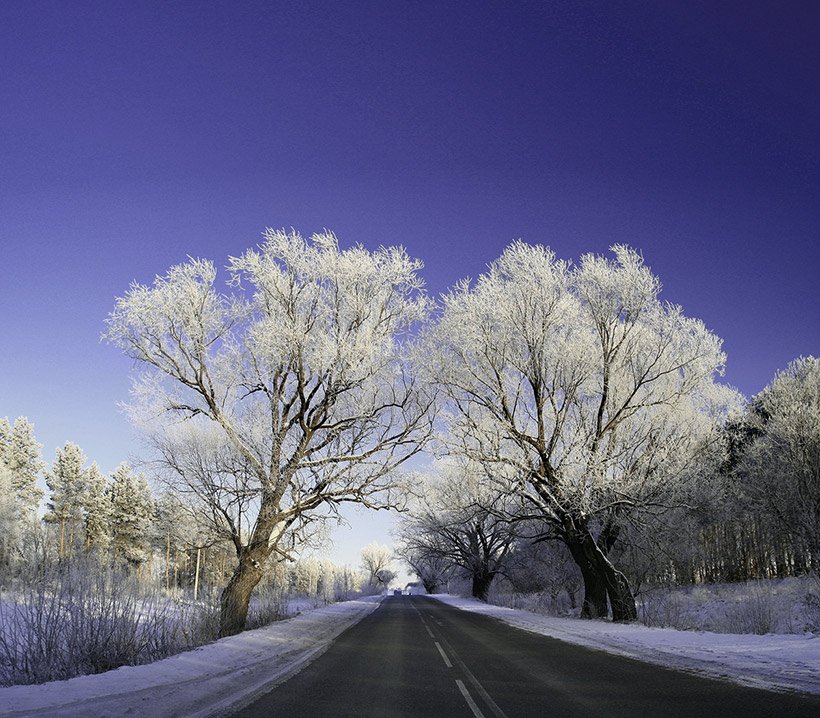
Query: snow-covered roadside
pixel 207 681
pixel 780 662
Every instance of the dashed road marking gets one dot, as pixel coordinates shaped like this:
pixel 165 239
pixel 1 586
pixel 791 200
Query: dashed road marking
pixel 443 655
pixel 470 702
pixel 491 704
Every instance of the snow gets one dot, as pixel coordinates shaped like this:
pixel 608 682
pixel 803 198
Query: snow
pixel 779 662
pixel 206 681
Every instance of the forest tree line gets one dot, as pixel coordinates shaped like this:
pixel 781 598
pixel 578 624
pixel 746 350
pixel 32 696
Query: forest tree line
pixel 102 521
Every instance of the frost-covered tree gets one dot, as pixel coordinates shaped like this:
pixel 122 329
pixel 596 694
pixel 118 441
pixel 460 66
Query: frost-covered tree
pixel 132 508
pixel 96 505
pixel 20 454
pixel 8 518
pixel 462 520
pixel 780 466
pixel 295 375
pixel 426 561
pixel 376 564
pixel 66 480
pixel 580 385
pixel 20 465
pixel 173 528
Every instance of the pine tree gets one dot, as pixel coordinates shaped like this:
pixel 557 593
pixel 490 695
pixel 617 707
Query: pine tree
pixel 132 509
pixel 67 482
pixel 8 516
pixel 8 513
pixel 97 510
pixel 20 453
pixel 5 437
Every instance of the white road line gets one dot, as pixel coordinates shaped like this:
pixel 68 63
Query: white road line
pixel 491 704
pixel 443 655
pixel 421 616
pixel 470 702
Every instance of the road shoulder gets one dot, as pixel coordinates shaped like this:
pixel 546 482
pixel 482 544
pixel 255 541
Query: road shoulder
pixel 775 662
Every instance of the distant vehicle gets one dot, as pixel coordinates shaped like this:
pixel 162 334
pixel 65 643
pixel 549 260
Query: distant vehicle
pixel 397 592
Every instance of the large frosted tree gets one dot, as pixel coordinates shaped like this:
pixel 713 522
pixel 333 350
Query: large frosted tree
pixel 580 386
pixel 377 560
pixel 294 376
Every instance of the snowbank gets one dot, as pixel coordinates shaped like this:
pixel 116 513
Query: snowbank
pixel 780 662
pixel 207 681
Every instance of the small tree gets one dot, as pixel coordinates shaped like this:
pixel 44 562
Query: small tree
pixel 173 532
pixel 67 482
pixel 132 508
pixel 376 561
pixel 20 453
pixel 96 505
pixel 295 381
pixel 20 466
pixel 8 519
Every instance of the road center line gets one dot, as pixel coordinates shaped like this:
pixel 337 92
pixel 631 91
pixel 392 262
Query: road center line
pixel 423 620
pixel 470 702
pixel 486 697
pixel 443 655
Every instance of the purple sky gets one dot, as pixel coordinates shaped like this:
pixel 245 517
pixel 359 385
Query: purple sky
pixel 133 134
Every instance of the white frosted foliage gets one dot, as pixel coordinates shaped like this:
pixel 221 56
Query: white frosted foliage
pixel 578 378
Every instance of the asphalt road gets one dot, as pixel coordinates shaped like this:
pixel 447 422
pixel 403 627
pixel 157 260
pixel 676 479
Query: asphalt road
pixel 414 656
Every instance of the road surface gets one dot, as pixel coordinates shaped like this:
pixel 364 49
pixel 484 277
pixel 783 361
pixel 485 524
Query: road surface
pixel 414 656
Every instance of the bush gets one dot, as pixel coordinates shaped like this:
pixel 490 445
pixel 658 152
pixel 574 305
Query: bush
pixel 268 604
pixel 80 619
pixel 662 608
pixel 755 613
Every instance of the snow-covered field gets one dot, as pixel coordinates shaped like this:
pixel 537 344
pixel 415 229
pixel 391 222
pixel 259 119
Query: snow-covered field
pixel 224 675
pixel 782 662
pixel 207 681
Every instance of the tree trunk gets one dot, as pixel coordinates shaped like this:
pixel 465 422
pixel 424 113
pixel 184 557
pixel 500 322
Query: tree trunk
pixel 167 563
pixel 595 603
pixel 602 580
pixel 196 575
pixel 481 584
pixel 620 595
pixel 236 595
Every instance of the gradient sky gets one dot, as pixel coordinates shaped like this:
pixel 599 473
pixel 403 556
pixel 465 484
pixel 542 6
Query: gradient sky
pixel 134 134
